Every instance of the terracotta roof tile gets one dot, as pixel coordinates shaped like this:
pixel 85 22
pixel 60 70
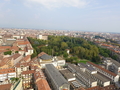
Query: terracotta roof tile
pixel 110 87
pixel 4 47
pixel 94 88
pixel 8 70
pixel 8 48
pixel 27 58
pixel 21 64
pixel 15 56
pixel 28 72
pixel 5 87
pixel 23 42
pixel 38 73
pixel 5 60
pixel 15 48
pixel 42 85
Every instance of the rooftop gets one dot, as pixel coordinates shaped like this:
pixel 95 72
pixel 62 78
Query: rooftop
pixel 56 75
pixel 101 77
pixel 45 57
pixel 42 85
pixel 89 67
pixel 5 87
pixel 113 74
pixel 79 72
pixel 28 72
pixel 40 54
pixel 7 70
pixel 115 62
pixel 67 74
pixel 15 56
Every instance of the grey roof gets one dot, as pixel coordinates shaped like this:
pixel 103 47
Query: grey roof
pixel 101 77
pixel 115 62
pixel 75 84
pixel 67 74
pixel 45 57
pixel 10 42
pixel 55 75
pixel 85 75
pixel 79 72
pixel 89 67
pixel 73 67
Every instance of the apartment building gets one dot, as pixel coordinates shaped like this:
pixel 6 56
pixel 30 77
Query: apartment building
pixel 28 81
pixel 20 67
pixel 40 80
pixel 7 74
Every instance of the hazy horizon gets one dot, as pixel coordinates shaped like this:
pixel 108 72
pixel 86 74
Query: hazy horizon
pixel 78 15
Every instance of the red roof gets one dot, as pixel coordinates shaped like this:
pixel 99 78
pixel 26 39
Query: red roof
pixel 41 82
pixel 42 85
pixel 5 47
pixel 5 87
pixel 28 72
pixel 8 48
pixel 38 73
pixel 22 64
pixel 8 70
pixel 109 87
pixel 27 58
pixel 40 54
pixel 5 61
pixel 15 56
pixel 23 42
pixel 94 88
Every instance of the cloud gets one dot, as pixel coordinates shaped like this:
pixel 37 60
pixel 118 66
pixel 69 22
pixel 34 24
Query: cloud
pixel 59 3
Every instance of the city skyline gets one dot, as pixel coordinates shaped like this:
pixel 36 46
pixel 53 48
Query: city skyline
pixel 83 15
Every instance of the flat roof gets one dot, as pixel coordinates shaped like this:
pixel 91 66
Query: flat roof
pixel 89 67
pixel 67 74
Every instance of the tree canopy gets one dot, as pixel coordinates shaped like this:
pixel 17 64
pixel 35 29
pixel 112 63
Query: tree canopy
pixel 57 45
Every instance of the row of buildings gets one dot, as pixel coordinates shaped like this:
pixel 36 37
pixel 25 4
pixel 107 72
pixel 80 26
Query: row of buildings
pixel 87 76
pixel 18 71
pixel 44 72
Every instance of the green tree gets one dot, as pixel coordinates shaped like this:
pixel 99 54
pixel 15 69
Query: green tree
pixel 65 55
pixel 64 45
pixel 8 53
pixel 16 51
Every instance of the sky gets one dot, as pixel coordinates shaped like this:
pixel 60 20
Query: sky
pixel 82 15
